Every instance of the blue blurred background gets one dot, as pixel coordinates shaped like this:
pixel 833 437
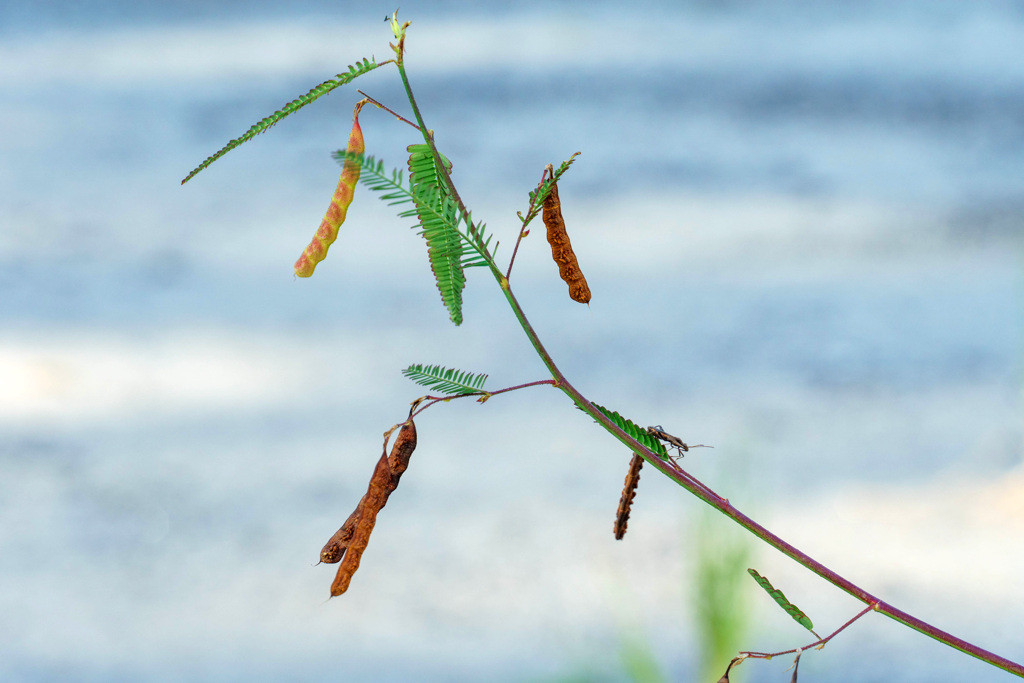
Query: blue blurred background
pixel 801 225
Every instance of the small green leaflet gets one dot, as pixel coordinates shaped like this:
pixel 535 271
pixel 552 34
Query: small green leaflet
pixel 785 604
pixel 446 380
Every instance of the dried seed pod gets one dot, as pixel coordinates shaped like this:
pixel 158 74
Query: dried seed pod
pixel 628 493
pixel 335 548
pixel 561 248
pixel 405 444
pixel 373 501
pixel 398 462
pixel 335 216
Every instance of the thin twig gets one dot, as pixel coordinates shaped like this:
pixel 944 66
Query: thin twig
pixel 820 643
pixel 381 106
pixel 526 221
pixel 482 395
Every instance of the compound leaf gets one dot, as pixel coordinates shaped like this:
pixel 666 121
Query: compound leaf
pixel 354 71
pixel 445 380
pixel 635 431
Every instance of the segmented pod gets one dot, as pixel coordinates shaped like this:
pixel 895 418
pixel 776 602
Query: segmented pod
pixel 628 493
pixel 405 444
pixel 336 212
pixel 561 248
pixel 352 537
pixel 335 548
pixel 373 501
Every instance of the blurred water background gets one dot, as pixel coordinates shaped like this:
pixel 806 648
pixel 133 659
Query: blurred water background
pixel 801 224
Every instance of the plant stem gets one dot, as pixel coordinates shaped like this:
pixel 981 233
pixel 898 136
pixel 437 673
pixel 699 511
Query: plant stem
pixel 526 222
pixel 697 488
pixel 428 136
pixel 677 474
pixel 819 643
pixel 431 400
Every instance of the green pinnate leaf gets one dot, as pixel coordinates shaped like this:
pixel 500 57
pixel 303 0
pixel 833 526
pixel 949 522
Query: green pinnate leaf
pixel 354 71
pixel 445 380
pixel 454 242
pixel 635 431
pixel 438 215
pixel 538 195
pixel 791 609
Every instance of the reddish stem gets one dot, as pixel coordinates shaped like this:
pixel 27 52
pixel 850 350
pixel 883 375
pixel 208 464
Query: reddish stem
pixel 431 400
pixel 818 643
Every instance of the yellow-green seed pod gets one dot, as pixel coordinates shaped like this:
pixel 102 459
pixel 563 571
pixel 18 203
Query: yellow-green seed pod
pixel 335 216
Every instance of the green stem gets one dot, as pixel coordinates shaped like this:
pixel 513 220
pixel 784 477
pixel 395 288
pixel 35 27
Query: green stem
pixel 680 476
pixel 697 488
pixel 475 242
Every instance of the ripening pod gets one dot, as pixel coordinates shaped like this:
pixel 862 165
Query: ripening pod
pixel 561 248
pixel 336 212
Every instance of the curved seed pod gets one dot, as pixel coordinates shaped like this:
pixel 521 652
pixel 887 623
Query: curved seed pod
pixel 561 248
pixel 336 212
pixel 373 501
pixel 398 462
pixel 628 493
pixel 405 444
pixel 335 548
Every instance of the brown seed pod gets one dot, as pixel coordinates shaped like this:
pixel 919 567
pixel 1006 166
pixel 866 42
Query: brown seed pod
pixel 398 462
pixel 405 444
pixel 628 493
pixel 561 248
pixel 335 548
pixel 373 501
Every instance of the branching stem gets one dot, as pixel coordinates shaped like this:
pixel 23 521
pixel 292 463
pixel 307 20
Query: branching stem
pixel 673 471
pixel 526 222
pixel 481 395
pixel 697 488
pixel 820 643
pixel 381 106
pixel 428 137
pixel 667 467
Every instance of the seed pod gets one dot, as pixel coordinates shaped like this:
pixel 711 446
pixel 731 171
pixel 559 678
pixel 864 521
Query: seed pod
pixel 373 501
pixel 398 462
pixel 561 249
pixel 405 444
pixel 335 548
pixel 335 216
pixel 628 493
